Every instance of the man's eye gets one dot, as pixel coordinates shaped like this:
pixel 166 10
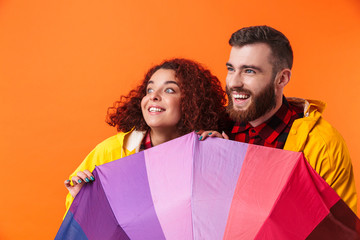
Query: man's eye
pixel 249 71
pixel 169 90
pixel 149 90
pixel 230 69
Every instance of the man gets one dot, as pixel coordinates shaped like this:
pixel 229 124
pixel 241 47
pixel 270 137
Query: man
pixel 259 68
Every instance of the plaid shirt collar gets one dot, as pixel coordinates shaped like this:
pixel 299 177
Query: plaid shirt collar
pixel 270 130
pixel 146 143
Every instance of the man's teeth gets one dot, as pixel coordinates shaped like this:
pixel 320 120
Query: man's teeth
pixel 241 96
pixel 154 109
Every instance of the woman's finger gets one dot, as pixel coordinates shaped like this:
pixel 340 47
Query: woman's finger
pixel 84 177
pixel 77 185
pixel 225 135
pixel 210 133
pixel 67 183
pixel 215 134
pixel 89 175
pixel 199 132
pixel 76 180
pixel 203 135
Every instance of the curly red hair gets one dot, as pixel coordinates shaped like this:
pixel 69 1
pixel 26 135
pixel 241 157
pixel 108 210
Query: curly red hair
pixel 202 99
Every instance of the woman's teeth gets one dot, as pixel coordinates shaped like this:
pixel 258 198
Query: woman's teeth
pixel 154 109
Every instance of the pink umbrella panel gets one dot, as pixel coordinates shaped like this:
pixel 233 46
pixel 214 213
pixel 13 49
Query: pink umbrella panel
pixel 212 189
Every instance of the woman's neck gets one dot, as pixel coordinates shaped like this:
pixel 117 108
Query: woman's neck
pixel 161 136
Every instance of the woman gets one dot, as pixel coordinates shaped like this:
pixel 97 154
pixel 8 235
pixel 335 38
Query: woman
pixel 175 98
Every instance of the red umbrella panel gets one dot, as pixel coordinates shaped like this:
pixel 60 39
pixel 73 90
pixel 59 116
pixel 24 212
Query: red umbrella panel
pixel 212 189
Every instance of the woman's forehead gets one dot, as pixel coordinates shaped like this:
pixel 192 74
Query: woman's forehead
pixel 163 76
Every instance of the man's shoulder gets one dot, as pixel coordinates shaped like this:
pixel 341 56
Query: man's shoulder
pixel 307 105
pixel 327 132
pixel 313 128
pixel 319 131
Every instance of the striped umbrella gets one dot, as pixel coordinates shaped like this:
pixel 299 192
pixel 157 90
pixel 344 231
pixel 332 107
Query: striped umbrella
pixel 212 189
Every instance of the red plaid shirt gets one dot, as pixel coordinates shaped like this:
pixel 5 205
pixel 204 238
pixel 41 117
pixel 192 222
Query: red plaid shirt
pixel 273 132
pixel 146 143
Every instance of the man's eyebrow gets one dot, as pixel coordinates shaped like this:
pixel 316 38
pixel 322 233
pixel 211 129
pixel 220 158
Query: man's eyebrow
pixel 251 66
pixel 245 66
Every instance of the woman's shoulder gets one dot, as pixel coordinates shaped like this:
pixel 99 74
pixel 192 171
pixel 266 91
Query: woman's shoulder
pixel 129 140
pixel 112 142
pixel 106 151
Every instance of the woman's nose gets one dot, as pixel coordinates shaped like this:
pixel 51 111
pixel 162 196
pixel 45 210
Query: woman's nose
pixel 155 96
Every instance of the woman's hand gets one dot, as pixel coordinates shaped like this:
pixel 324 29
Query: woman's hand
pixel 78 182
pixel 204 134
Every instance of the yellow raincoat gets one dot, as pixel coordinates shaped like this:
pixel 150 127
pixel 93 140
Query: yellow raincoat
pixel 324 148
pixel 113 148
pixel 321 144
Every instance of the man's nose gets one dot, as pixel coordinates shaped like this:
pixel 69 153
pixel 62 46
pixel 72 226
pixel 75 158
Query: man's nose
pixel 235 80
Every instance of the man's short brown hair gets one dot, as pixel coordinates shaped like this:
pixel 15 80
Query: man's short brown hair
pixel 282 54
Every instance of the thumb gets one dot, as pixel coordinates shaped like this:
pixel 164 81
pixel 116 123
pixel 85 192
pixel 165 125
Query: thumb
pixel 67 184
pixel 224 135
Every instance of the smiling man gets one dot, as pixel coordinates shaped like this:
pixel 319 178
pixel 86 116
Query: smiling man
pixel 259 67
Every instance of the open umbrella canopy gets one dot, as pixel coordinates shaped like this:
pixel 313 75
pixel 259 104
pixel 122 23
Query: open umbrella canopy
pixel 212 189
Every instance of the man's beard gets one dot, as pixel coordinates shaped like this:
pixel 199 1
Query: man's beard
pixel 260 104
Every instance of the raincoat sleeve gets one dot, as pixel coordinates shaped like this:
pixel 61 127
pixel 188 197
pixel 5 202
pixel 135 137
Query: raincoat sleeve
pixel 106 151
pixel 113 148
pixel 333 163
pixel 327 153
pixel 96 157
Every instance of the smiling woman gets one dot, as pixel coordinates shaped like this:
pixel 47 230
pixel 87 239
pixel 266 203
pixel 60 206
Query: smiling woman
pixel 176 97
pixel 161 104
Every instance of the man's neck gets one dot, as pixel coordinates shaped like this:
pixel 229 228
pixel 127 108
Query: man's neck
pixel 267 115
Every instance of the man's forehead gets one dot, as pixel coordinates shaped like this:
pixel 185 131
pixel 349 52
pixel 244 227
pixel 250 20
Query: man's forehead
pixel 250 54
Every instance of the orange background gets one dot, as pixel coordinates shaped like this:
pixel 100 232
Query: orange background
pixel 63 62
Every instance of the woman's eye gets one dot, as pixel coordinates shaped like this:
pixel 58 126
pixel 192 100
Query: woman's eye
pixel 149 90
pixel 169 90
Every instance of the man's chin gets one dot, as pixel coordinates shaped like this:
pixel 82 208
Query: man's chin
pixel 236 114
pixel 239 108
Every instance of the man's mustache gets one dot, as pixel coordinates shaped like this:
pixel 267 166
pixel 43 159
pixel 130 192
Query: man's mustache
pixel 237 89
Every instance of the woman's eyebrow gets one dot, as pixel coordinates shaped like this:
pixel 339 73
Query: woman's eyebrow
pixel 167 82
pixel 171 82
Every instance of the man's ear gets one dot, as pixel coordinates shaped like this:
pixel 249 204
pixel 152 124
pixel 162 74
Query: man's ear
pixel 283 77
